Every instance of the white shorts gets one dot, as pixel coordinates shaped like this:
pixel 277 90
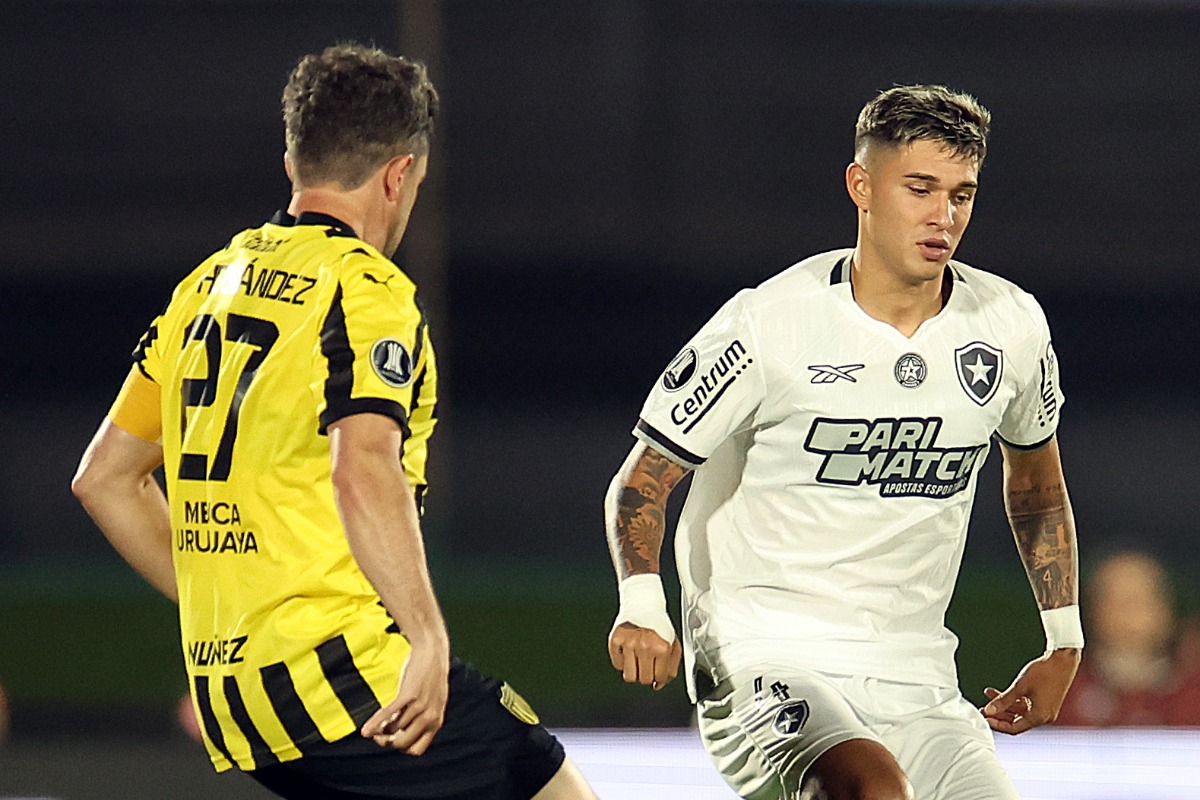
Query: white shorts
pixel 764 728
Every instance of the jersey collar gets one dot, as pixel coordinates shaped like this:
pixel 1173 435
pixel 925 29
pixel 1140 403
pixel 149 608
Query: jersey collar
pixel 841 272
pixel 336 226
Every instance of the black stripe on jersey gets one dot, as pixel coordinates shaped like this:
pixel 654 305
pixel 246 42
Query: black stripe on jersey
pixel 419 496
pixel 294 717
pixel 143 345
pixel 208 719
pixel 259 748
pixel 347 682
pixel 335 346
pixel 416 392
pixel 683 456
pixel 1025 447
pixel 422 323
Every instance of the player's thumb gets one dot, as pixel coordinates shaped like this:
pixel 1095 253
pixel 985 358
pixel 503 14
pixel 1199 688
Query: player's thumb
pixel 998 700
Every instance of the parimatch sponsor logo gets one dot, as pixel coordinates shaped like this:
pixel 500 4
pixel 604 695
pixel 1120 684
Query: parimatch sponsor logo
pixel 900 456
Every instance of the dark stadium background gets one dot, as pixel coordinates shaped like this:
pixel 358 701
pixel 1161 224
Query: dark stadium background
pixel 607 173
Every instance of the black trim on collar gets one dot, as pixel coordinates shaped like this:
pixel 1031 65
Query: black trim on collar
pixel 335 225
pixel 841 271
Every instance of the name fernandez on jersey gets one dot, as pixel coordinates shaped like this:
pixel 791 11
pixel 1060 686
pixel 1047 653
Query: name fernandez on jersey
pixel 899 455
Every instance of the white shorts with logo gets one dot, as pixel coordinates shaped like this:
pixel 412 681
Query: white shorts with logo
pixel 765 727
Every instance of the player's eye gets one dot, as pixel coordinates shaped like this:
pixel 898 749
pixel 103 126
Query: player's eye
pixel 919 191
pixel 962 198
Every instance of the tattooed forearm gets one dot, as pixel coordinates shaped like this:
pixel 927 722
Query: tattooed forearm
pixel 1044 528
pixel 637 511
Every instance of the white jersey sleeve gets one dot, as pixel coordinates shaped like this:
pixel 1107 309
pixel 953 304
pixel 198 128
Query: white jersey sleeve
pixel 708 392
pixel 1031 418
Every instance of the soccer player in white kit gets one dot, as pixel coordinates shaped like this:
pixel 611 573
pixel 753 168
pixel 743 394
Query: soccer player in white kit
pixel 836 418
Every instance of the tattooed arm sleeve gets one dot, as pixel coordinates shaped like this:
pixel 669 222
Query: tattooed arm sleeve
pixel 635 510
pixel 1035 496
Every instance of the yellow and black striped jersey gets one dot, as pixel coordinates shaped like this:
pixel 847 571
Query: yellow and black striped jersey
pixel 291 327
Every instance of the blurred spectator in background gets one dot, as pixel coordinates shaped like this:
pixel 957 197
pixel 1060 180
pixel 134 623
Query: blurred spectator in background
pixel 3 715
pixel 1142 664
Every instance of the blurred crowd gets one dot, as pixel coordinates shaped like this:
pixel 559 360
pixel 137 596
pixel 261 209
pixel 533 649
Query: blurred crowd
pixel 1141 665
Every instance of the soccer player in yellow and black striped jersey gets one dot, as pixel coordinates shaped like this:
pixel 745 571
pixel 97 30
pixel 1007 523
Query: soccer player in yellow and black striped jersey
pixel 288 390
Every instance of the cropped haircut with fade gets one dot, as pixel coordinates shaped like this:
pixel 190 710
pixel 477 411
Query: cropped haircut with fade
pixel 905 114
pixel 350 109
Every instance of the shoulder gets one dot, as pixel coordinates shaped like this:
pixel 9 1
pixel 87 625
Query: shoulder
pixel 1000 298
pixel 363 267
pixel 814 276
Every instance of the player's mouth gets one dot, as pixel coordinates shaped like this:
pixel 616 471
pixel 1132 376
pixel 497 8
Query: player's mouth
pixel 934 249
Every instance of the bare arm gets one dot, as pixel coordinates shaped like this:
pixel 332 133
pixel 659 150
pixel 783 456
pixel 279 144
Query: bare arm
pixel 115 483
pixel 636 510
pixel 1039 511
pixel 1035 496
pixel 642 643
pixel 383 528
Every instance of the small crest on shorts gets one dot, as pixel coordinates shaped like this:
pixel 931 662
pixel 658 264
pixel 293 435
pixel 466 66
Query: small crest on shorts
pixel 790 719
pixel 517 705
pixel 392 363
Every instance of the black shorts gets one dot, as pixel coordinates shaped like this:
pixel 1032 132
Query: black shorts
pixel 483 751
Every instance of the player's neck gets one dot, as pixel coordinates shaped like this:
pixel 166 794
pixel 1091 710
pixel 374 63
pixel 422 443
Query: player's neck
pixel 885 296
pixel 352 208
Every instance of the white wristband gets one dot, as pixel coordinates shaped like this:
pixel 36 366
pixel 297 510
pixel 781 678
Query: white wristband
pixel 644 604
pixel 1063 628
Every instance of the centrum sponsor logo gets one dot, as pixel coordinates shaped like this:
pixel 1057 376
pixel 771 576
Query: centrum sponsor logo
pixel 900 456
pixel 713 382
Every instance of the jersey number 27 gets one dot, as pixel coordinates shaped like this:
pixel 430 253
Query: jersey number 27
pixel 259 334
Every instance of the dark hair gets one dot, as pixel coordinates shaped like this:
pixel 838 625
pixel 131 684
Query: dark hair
pixel 350 109
pixel 904 114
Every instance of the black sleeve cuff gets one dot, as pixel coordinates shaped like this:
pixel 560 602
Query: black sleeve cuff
pixel 1025 447
pixel 365 405
pixel 654 437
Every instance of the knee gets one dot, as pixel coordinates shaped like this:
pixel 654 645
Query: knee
pixel 883 787
pixel 856 770
pixel 874 787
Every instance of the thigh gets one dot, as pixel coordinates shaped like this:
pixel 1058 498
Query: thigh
pixel 765 729
pixel 490 747
pixel 949 754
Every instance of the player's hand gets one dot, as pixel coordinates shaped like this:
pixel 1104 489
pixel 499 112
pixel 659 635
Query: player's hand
pixel 642 656
pixel 1036 696
pixel 410 721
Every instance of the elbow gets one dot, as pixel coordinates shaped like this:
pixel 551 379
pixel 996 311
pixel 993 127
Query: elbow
pixel 85 485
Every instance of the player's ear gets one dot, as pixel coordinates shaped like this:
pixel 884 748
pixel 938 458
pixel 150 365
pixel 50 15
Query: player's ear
pixel 858 185
pixel 287 167
pixel 396 173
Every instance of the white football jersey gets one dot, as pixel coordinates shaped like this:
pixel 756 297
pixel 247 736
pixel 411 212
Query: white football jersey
pixel 835 467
